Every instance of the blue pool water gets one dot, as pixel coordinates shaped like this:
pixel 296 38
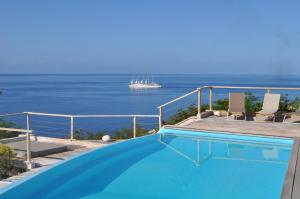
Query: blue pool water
pixel 171 164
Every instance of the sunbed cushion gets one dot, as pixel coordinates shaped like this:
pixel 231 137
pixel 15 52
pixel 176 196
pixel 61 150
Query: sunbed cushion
pixel 266 112
pixel 271 103
pixel 236 102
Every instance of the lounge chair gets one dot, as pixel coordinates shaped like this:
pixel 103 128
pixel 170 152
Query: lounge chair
pixel 236 105
pixel 270 106
pixel 295 116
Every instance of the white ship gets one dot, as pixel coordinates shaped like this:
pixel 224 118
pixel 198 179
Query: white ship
pixel 136 84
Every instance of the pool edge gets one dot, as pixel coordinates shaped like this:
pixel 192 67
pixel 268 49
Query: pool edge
pixel 290 176
pixel 23 180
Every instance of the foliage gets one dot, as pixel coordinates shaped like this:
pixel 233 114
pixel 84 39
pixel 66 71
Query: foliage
pixel 294 105
pixel 6 156
pixel 5 134
pixel 183 114
pixel 221 104
pixel 126 133
pixel 81 135
pixel 252 103
pixel 284 104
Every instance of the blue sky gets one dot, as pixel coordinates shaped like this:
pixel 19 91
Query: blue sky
pixel 157 36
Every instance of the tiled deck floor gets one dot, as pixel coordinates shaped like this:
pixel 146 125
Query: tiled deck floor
pixel 214 123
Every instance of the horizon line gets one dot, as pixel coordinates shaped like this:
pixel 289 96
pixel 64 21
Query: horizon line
pixel 211 74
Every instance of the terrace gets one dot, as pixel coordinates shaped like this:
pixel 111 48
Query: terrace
pixel 208 122
pixel 203 121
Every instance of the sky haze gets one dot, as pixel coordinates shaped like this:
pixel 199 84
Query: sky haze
pixel 158 36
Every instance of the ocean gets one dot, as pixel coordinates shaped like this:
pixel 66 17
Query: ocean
pixel 110 94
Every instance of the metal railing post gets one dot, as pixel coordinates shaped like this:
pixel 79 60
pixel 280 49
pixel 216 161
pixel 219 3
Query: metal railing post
pixel 28 151
pixel 134 126
pixel 211 98
pixel 160 117
pixel 27 121
pixel 72 128
pixel 28 162
pixel 199 103
pixel 28 147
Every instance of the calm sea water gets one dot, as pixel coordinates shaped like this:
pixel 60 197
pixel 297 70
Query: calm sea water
pixel 110 94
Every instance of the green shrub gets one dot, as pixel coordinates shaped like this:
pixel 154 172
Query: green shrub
pixel 6 156
pixel 284 103
pixel 252 104
pixel 81 135
pixel 183 114
pixel 126 133
pixel 222 104
pixel 6 134
pixel 294 105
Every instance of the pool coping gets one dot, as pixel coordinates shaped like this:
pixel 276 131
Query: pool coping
pixel 289 190
pixel 291 186
pixel 42 170
pixel 228 132
pixel 249 137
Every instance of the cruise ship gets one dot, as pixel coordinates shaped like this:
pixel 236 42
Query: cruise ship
pixel 140 84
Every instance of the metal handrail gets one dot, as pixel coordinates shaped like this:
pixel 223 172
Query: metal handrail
pixel 178 98
pixel 48 114
pixel 28 151
pixel 199 91
pixel 255 88
pixel 114 116
pixel 87 116
pixel 72 117
pixel 183 96
pixel 228 87
pixel 16 130
pixel 11 114
pixel 160 115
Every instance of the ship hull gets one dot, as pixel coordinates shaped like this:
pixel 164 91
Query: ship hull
pixel 144 86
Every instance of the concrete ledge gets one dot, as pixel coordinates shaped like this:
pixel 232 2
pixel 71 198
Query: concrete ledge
pixel 191 119
pixel 82 143
pixel 14 139
pixel 37 148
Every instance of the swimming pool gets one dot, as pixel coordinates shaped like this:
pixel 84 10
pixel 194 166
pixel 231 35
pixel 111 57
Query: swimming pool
pixel 170 164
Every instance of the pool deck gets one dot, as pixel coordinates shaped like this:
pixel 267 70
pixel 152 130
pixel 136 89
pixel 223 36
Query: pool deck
pixel 291 189
pixel 221 124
